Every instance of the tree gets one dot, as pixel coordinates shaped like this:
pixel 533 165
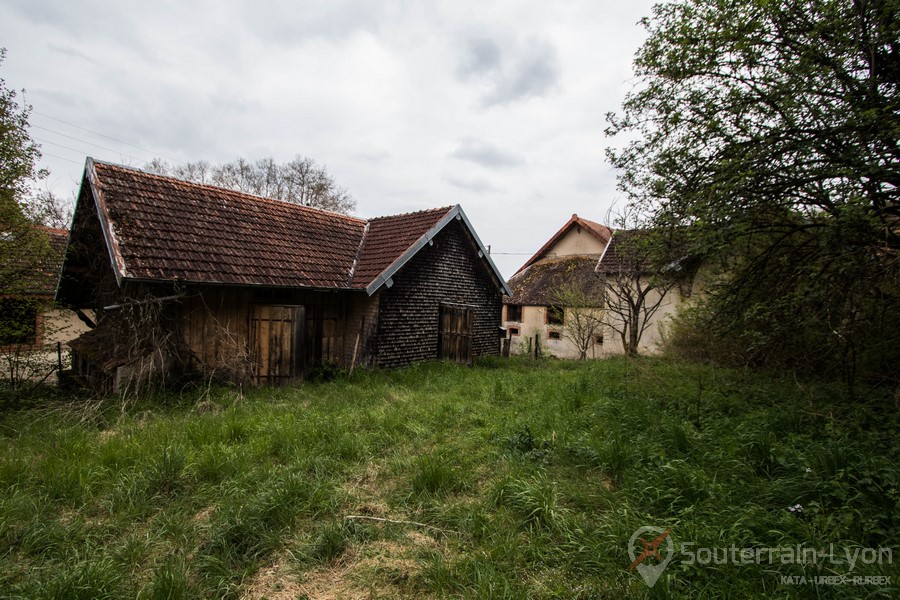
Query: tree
pixel 23 247
pixel 583 316
pixel 300 181
pixel 27 260
pixel 769 130
pixel 638 279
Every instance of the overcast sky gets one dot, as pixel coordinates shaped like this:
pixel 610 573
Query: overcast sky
pixel 497 106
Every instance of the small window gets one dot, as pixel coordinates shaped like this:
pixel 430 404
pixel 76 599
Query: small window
pixel 514 312
pixel 555 315
pixel 18 321
pixel 554 335
pixel 598 340
pixel 513 331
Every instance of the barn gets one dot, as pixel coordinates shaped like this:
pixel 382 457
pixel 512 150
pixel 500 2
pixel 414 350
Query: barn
pixel 178 277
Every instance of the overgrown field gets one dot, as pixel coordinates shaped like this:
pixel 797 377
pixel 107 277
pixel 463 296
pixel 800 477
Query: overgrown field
pixel 506 480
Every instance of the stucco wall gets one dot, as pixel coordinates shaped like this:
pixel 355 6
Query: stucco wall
pixel 534 321
pixel 577 241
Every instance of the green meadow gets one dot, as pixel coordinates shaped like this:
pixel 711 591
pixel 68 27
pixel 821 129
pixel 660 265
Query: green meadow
pixel 509 479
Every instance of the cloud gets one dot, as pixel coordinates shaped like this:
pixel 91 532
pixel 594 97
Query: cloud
pixel 478 185
pixel 290 23
pixel 485 154
pixel 521 70
pixel 483 57
pixel 70 51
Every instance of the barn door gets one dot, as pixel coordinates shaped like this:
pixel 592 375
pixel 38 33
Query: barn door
pixel 277 341
pixel 456 333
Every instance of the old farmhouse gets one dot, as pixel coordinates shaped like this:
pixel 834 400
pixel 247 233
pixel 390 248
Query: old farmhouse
pixel 546 288
pixel 187 277
pixel 591 292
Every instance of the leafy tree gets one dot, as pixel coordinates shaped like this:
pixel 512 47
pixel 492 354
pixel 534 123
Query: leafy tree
pixel 23 247
pixel 300 181
pixel 26 257
pixel 769 130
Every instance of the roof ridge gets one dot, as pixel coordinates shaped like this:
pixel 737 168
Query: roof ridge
pixel 229 191
pixel 574 219
pixel 413 212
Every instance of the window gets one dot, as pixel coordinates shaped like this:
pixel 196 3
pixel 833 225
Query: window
pixel 598 340
pixel 555 315
pixel 18 321
pixel 554 335
pixel 513 331
pixel 514 312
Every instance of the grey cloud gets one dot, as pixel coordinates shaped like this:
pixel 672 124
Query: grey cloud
pixel 289 22
pixel 483 57
pixel 478 185
pixel 485 154
pixel 70 51
pixel 371 156
pixel 521 70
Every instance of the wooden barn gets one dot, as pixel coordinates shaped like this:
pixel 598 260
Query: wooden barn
pixel 187 277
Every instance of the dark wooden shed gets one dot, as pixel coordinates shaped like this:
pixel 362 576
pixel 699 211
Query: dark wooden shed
pixel 183 276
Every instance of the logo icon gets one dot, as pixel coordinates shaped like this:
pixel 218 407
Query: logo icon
pixel 639 550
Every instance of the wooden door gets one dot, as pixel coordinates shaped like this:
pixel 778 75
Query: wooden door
pixel 456 333
pixel 277 341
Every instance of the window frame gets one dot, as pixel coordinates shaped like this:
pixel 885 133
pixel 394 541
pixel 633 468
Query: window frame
pixel 521 310
pixel 555 309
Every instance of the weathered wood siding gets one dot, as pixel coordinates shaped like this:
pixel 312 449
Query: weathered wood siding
pixel 360 330
pixel 409 311
pixel 215 325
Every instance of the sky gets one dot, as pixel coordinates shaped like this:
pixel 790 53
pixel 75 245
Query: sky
pixel 499 106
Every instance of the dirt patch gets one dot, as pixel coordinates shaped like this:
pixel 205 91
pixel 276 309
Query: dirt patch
pixel 377 569
pixel 204 515
pixel 274 582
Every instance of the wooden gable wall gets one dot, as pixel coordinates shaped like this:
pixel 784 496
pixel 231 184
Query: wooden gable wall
pixel 449 271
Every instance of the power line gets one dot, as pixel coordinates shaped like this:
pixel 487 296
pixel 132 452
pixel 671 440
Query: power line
pixel 107 137
pixel 59 145
pixel 74 162
pixel 83 142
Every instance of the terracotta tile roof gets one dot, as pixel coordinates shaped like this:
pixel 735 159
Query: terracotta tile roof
pixel 537 284
pixel 164 229
pixel 388 238
pixel 172 230
pixel 626 251
pixel 39 273
pixel 601 232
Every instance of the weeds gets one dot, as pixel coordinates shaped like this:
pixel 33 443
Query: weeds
pixel 534 473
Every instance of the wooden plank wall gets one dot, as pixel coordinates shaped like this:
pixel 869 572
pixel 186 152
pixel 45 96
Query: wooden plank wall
pixel 215 326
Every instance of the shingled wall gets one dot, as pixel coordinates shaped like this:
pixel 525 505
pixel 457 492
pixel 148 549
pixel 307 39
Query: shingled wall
pixel 447 271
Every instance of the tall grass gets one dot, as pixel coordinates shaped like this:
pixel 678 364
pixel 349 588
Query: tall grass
pixel 531 477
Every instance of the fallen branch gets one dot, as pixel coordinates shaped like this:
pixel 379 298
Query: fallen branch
pixel 395 522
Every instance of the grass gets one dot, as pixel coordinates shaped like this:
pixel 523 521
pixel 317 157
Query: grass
pixel 530 476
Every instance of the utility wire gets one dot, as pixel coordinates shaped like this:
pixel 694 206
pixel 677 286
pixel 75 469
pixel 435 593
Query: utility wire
pixel 84 142
pixel 58 145
pixel 74 162
pixel 107 137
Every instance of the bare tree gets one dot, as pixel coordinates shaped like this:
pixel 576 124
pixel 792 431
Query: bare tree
pixel 584 316
pixel 640 266
pixel 299 181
